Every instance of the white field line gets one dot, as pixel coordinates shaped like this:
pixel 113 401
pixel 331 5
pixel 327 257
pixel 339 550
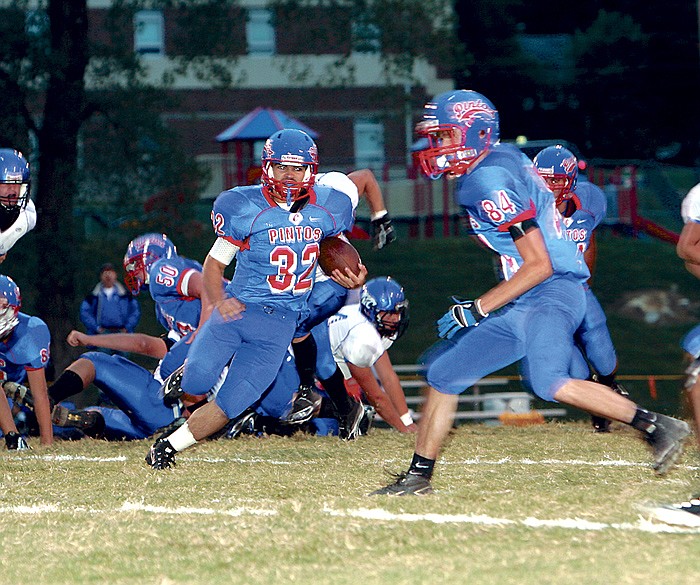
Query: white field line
pixel 130 507
pixel 642 525
pixel 255 460
pixel 375 514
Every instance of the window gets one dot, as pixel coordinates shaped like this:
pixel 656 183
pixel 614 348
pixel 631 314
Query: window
pixel 149 36
pixel 369 144
pixel 260 34
pixel 366 36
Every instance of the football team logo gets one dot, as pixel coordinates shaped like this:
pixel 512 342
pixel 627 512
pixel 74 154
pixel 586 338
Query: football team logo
pixel 466 112
pixel 569 165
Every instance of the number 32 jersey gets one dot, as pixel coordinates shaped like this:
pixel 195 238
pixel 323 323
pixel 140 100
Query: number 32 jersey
pixel 276 263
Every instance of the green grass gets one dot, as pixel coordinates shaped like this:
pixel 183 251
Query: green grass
pixel 295 510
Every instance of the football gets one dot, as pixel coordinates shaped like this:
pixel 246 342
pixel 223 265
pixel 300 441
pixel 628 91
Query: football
pixel 337 253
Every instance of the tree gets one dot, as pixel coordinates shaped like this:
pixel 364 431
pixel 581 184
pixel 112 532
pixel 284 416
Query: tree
pixel 79 137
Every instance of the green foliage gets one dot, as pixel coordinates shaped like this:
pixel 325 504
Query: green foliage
pixel 262 511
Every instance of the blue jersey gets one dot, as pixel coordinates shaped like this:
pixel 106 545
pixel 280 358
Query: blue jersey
pixel 584 211
pixel 176 310
pixel 26 348
pixel 505 189
pixel 276 263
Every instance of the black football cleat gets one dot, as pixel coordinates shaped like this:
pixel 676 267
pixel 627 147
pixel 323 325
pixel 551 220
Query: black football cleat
pixel 406 484
pixel 349 427
pixel 243 425
pixel 161 455
pixel 306 402
pixel 85 420
pixel 172 386
pixel 16 442
pixel 683 514
pixel 666 439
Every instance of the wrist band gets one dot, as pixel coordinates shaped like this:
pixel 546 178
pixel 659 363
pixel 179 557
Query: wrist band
pixel 407 419
pixel 477 304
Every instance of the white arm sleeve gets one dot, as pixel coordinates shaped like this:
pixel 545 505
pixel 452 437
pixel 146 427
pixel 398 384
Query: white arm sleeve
pixel 223 251
pixel 23 224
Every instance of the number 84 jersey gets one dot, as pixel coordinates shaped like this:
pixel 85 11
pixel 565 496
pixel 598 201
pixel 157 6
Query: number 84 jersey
pixel 278 253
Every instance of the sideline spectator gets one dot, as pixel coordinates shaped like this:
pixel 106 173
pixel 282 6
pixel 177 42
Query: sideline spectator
pixel 110 307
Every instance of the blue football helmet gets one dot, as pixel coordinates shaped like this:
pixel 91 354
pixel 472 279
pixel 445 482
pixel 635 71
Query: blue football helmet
pixel 559 168
pixel 294 148
pixel 460 126
pixel 10 304
pixel 141 254
pixel 14 171
pixel 384 303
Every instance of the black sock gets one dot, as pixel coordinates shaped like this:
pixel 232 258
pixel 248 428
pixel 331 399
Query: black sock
pixel 335 388
pixel 422 466
pixel 328 409
pixel 305 352
pixel 68 384
pixel 644 421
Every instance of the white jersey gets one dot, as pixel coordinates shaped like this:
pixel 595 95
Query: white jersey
pixel 690 208
pixel 340 182
pixel 354 339
pixel 22 225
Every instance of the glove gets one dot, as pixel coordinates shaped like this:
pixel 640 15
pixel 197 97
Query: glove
pixel 462 314
pixel 19 393
pixel 382 232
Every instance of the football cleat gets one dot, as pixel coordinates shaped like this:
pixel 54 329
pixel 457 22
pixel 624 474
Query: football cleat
pixel 161 455
pixel 406 484
pixel 683 514
pixel 172 386
pixel 85 420
pixel 367 419
pixel 243 425
pixel 349 427
pixel 602 424
pixel 18 393
pixel 16 442
pixel 666 440
pixel 306 402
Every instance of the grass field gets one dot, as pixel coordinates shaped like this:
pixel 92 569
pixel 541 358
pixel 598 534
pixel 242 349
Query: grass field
pixel 551 503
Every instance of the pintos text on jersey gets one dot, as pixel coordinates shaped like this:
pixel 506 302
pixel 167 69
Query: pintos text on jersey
pixel 295 233
pixel 577 234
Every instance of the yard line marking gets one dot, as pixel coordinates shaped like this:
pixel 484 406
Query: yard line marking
pixel 64 458
pixel 137 507
pixel 642 525
pixel 528 461
pixel 35 509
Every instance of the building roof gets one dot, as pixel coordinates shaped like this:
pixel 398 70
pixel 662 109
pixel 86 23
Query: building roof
pixel 260 124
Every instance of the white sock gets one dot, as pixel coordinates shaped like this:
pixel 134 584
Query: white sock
pixel 182 438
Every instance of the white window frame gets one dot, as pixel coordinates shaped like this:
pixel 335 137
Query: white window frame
pixel 260 32
pixel 369 144
pixel 149 33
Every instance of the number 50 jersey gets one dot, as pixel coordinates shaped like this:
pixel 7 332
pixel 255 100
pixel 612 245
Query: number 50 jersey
pixel 278 249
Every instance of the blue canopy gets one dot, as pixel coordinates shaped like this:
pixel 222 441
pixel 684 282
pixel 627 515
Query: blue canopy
pixel 260 124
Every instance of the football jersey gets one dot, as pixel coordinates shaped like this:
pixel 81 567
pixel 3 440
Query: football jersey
pixel 505 189
pixel 176 310
pixel 26 348
pixel 278 250
pixel 354 339
pixel 585 210
pixel 23 224
pixel 690 208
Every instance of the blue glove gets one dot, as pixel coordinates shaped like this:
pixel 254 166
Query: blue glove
pixel 462 314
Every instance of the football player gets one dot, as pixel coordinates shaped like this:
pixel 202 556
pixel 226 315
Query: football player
pixel 17 211
pixel 273 230
pixel 356 340
pixel 175 283
pixel 533 314
pixel 688 248
pixel 24 355
pixel 583 206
